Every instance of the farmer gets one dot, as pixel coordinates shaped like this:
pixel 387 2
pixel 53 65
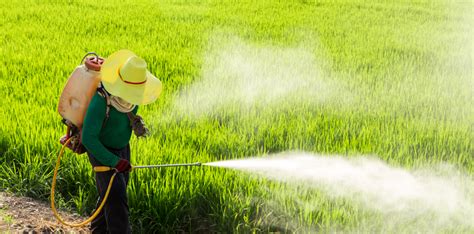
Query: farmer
pixel 126 83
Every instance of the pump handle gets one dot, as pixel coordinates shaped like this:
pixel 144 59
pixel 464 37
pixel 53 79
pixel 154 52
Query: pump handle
pixel 91 62
pixel 90 53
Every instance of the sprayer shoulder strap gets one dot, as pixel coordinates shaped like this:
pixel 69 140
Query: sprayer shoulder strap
pixel 105 95
pixel 131 117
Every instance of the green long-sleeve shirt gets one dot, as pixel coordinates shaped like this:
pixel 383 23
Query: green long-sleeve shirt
pixel 115 134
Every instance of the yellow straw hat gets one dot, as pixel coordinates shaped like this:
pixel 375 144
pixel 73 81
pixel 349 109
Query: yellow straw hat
pixel 125 75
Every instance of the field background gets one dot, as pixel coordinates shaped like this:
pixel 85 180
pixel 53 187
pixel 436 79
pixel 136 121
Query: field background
pixel 407 66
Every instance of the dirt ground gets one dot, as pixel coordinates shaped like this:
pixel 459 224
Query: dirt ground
pixel 26 215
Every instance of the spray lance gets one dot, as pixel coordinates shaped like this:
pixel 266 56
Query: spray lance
pixel 81 86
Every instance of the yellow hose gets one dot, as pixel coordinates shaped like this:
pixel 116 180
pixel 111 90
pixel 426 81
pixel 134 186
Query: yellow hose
pixel 53 185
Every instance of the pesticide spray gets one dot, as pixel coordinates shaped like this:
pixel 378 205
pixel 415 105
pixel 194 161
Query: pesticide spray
pixel 445 195
pixel 239 76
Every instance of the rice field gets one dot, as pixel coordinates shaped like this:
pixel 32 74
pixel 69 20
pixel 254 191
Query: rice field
pixel 390 79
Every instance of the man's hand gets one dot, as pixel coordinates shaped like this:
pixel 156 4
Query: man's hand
pixel 123 165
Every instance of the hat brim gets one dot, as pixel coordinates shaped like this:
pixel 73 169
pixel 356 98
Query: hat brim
pixel 138 94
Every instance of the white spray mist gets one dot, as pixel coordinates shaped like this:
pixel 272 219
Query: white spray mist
pixel 238 75
pixel 445 198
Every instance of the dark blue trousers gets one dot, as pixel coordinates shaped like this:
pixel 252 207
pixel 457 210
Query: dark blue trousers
pixel 114 217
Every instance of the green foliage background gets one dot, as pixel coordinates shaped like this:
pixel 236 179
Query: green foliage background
pixel 373 46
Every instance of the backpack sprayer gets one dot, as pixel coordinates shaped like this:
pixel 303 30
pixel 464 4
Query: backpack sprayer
pixel 73 103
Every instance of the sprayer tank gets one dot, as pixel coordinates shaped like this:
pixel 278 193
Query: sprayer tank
pixel 79 90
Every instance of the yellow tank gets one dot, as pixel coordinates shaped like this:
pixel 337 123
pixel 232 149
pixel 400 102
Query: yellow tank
pixel 79 90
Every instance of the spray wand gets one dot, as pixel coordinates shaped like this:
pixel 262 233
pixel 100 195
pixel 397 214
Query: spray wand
pixel 105 168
